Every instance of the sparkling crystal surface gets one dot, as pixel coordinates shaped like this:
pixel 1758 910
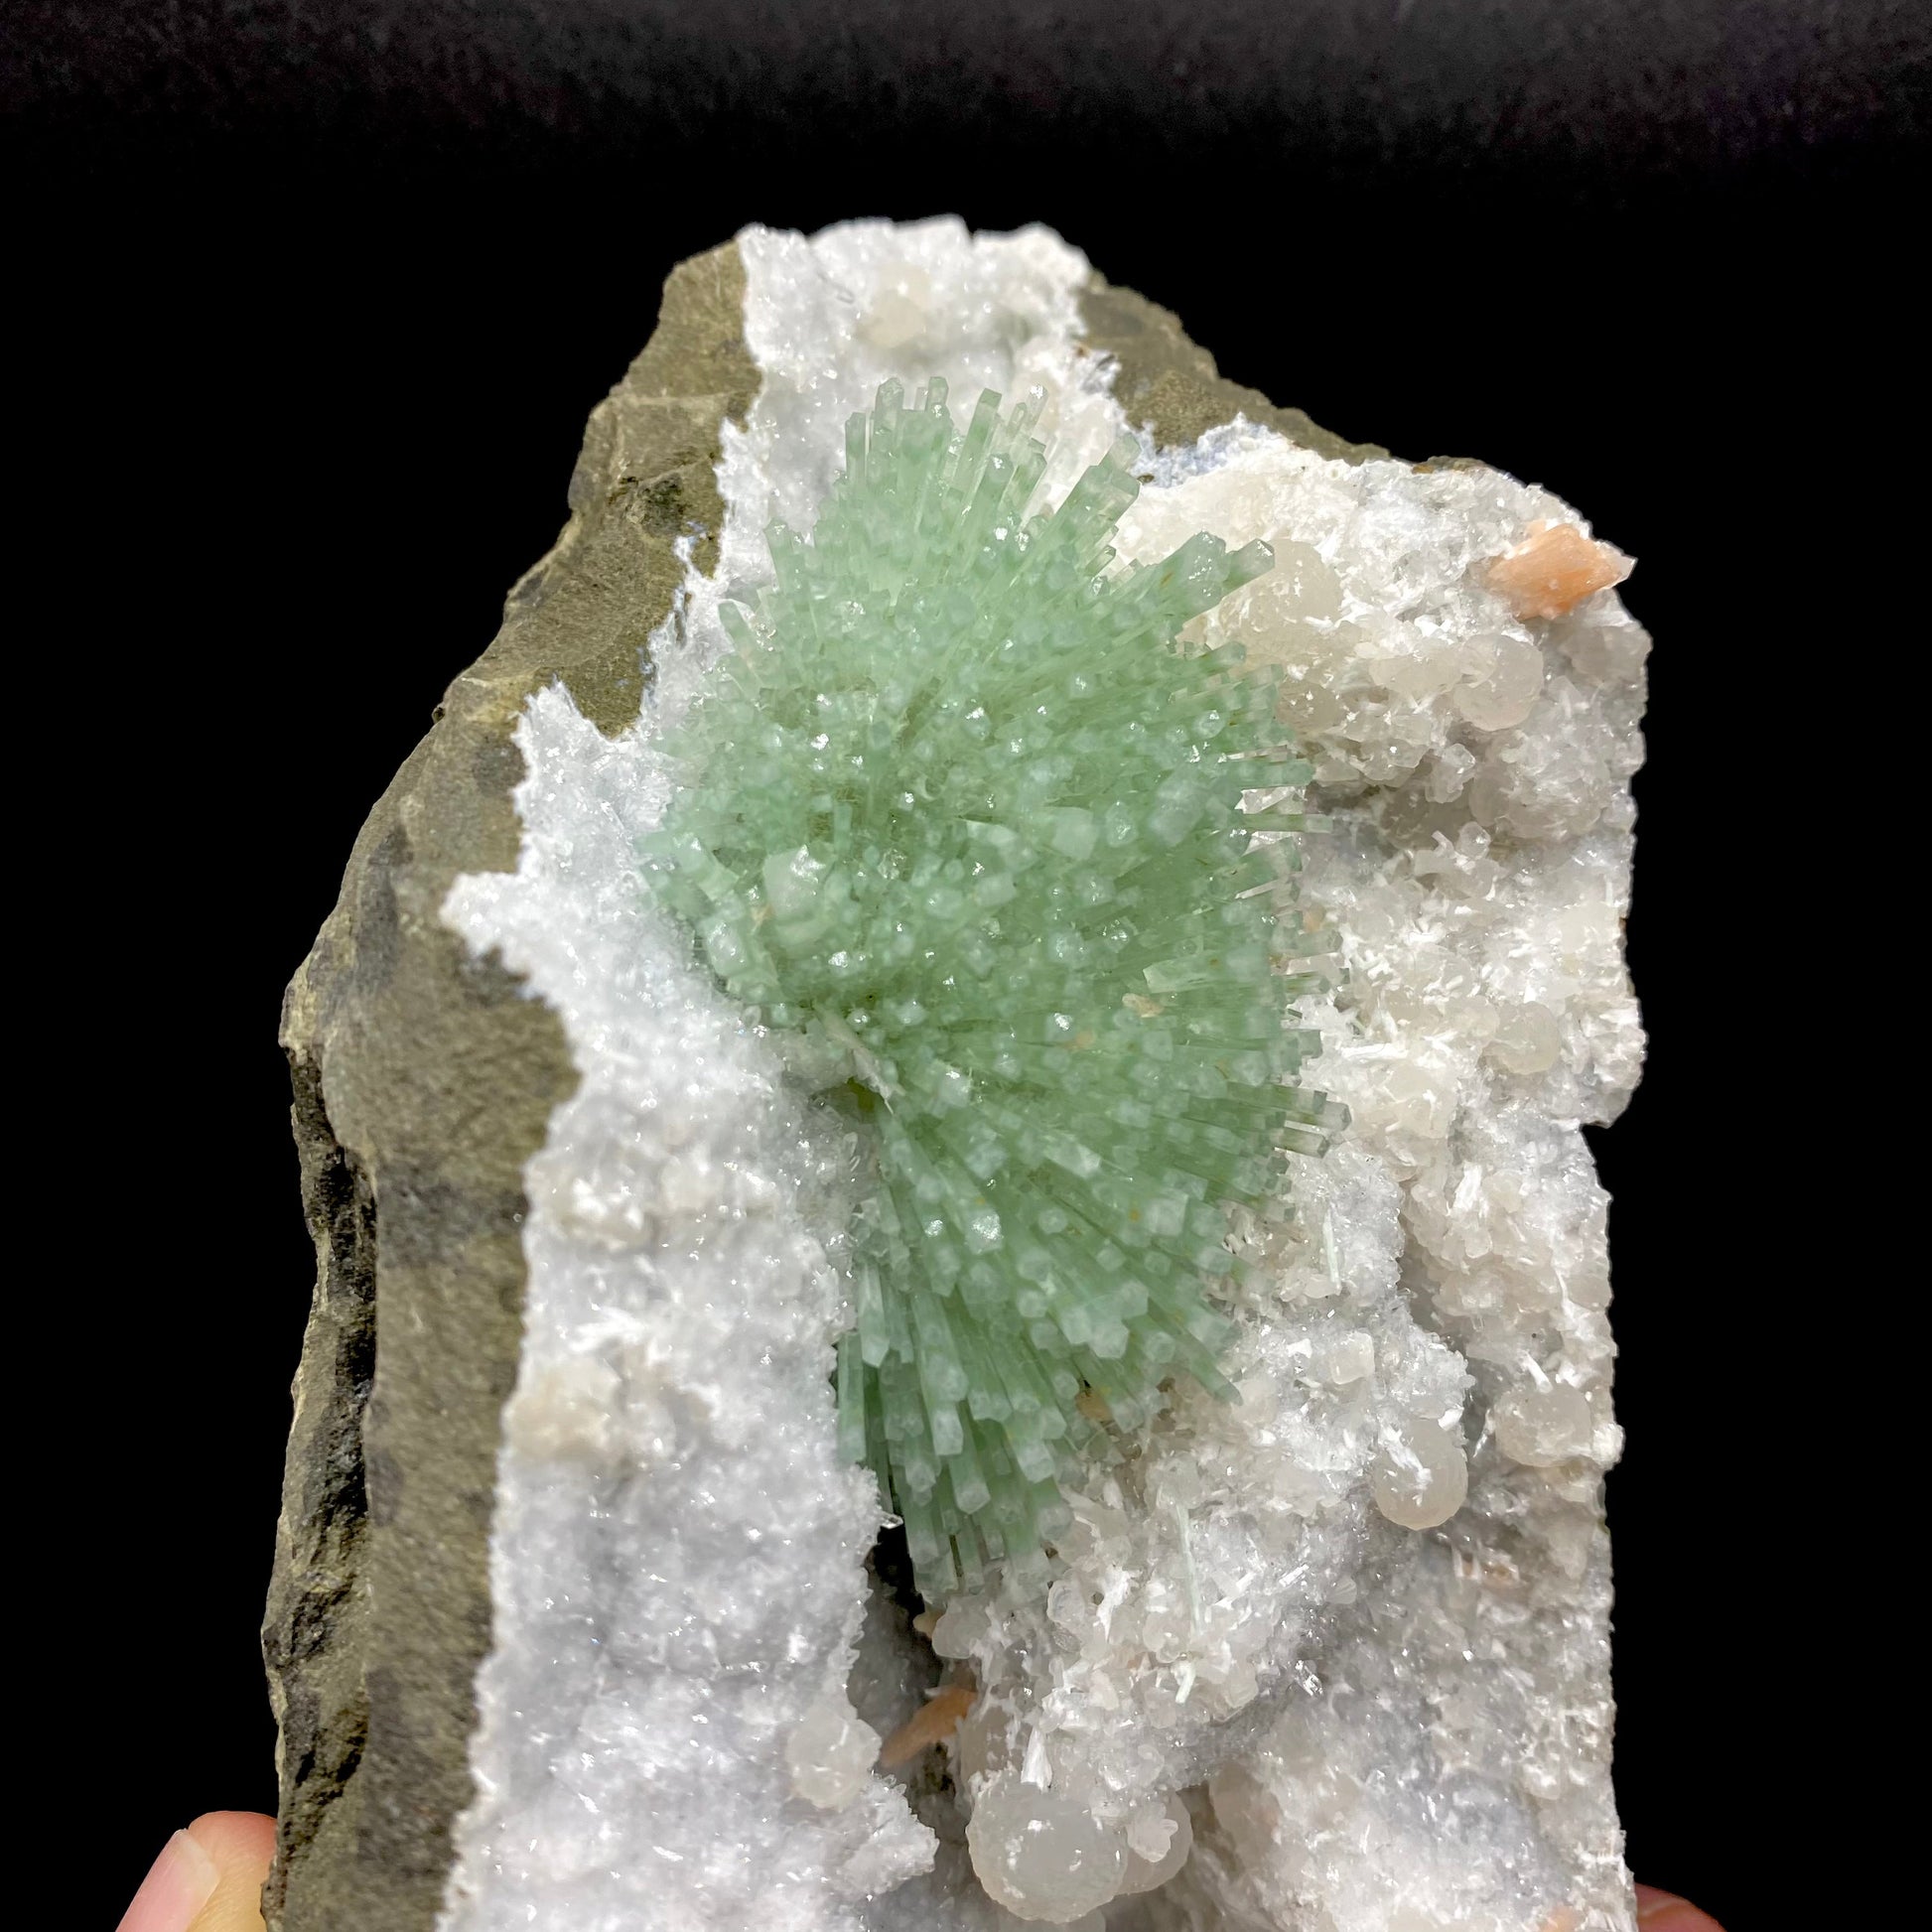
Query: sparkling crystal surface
pixel 985 852
pixel 1338 1645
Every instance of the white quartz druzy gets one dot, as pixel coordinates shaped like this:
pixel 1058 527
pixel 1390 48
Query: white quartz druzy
pixel 1334 1656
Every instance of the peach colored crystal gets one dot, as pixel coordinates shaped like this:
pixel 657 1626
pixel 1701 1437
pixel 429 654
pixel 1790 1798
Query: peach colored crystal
pixel 1555 569
pixel 932 1726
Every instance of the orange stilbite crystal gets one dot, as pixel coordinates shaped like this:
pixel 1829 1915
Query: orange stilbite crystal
pixel 932 1726
pixel 1554 569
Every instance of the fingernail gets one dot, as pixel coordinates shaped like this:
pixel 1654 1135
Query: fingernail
pixel 1662 1911
pixel 181 1882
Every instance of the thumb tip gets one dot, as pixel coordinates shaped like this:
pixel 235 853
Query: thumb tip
pixel 242 1846
pixel 208 1879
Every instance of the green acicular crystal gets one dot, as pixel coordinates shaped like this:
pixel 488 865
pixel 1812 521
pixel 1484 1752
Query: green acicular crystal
pixel 963 821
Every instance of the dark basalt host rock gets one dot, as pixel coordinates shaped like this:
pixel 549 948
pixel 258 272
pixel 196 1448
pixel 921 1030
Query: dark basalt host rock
pixel 423 1082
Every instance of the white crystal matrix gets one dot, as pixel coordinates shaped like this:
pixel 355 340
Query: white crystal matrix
pixel 1332 1659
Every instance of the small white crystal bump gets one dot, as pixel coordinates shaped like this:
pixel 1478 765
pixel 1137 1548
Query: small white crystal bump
pixel 830 1754
pixel 1539 1427
pixel 1159 1840
pixel 1529 1040
pixel 1507 694
pixel 1348 1358
pixel 964 1624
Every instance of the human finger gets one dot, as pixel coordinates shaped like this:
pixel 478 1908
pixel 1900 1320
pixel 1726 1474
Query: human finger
pixel 208 1879
pixel 1664 1911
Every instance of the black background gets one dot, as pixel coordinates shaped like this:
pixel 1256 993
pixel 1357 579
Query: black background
pixel 312 302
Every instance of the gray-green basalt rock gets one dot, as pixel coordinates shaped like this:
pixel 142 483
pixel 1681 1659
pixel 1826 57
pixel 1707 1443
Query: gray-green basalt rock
pixel 423 1084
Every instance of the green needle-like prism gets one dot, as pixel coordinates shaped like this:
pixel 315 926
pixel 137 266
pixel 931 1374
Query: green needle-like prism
pixel 963 821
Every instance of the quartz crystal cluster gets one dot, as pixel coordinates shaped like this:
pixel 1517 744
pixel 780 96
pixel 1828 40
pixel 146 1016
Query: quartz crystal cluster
pixel 1317 1638
pixel 967 832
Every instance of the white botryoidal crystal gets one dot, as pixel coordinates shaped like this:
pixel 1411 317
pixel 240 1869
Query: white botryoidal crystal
pixel 1419 1477
pixel 830 1753
pixel 1042 1855
pixel 1347 1635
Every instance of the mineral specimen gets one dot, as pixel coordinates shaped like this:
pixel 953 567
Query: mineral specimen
pixel 1301 1623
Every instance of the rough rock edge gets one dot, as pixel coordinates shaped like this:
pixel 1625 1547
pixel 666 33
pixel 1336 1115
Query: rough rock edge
pixel 1170 386
pixel 423 1082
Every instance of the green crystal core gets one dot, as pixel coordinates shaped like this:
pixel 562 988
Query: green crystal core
pixel 963 821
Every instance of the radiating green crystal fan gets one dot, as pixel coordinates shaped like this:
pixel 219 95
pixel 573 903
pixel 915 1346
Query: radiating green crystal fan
pixel 964 822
